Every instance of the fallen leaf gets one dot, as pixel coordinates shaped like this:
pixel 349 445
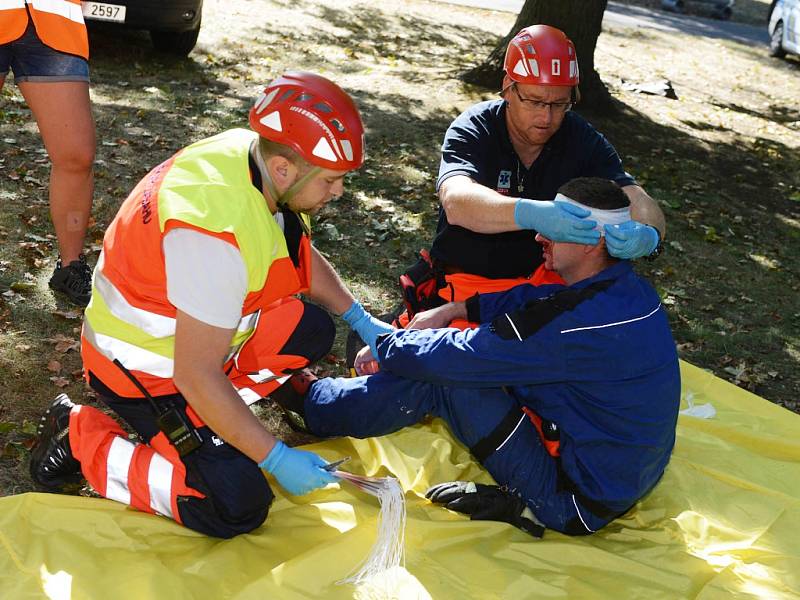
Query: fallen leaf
pixel 22 347
pixel 54 366
pixel 676 245
pixel 64 344
pixel 10 450
pixel 22 286
pixel 60 381
pixel 67 314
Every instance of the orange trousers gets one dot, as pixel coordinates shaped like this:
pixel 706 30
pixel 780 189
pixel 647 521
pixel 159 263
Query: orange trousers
pixel 215 489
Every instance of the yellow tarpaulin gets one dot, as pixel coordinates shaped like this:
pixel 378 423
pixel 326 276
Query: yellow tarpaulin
pixel 724 522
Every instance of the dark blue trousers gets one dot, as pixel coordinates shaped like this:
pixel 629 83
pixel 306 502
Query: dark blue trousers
pixel 237 496
pixel 379 404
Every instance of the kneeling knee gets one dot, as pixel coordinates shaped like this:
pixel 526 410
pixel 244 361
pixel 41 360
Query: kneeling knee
pixel 229 513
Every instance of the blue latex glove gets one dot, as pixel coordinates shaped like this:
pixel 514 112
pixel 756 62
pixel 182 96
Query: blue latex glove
pixel 298 471
pixel 631 239
pixel 558 221
pixel 365 325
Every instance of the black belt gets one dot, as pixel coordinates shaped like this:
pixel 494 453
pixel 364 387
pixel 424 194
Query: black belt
pixel 489 444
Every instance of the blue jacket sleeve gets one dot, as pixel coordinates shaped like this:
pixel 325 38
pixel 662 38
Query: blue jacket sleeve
pixel 472 358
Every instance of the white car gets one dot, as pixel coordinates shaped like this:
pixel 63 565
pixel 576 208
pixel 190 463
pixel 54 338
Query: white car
pixel 784 28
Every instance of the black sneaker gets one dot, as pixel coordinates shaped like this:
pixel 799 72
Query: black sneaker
pixel 291 398
pixel 74 280
pixel 52 464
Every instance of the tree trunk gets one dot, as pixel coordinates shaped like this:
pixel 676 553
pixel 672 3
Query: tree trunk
pixel 581 20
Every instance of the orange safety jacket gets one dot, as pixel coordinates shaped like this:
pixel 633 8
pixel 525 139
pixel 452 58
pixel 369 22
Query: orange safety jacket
pixel 59 23
pixel 205 187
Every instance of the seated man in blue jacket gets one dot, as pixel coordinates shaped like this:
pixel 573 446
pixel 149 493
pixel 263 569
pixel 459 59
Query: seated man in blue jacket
pixel 568 395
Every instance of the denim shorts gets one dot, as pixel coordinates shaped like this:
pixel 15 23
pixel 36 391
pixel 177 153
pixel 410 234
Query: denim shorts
pixel 31 60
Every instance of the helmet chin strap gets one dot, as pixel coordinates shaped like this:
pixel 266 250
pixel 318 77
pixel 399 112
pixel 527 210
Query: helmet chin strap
pixel 282 200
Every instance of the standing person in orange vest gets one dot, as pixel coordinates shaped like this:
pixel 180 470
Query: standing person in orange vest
pixel 193 316
pixel 46 46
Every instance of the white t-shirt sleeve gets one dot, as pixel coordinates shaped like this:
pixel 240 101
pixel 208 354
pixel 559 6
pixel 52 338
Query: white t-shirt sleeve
pixel 206 277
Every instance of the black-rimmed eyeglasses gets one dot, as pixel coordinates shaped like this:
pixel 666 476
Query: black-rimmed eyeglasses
pixel 539 105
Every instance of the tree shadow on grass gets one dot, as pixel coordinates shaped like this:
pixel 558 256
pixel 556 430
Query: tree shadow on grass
pixel 733 232
pixel 730 272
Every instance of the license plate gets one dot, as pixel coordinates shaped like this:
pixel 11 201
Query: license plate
pixel 100 11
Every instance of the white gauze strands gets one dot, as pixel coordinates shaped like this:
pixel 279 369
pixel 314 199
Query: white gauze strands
pixel 380 568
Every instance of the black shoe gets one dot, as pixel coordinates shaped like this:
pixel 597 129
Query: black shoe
pixel 291 397
pixel 74 280
pixel 52 464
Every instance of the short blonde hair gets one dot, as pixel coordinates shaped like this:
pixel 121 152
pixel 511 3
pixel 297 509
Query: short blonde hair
pixel 269 148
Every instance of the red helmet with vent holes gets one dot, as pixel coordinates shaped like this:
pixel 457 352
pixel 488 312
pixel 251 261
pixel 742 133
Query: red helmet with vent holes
pixel 542 55
pixel 313 116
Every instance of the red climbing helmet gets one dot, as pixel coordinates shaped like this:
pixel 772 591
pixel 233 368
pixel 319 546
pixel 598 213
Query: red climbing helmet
pixel 313 116
pixel 542 55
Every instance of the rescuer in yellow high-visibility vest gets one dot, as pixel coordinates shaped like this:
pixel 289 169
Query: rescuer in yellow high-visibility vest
pixel 193 316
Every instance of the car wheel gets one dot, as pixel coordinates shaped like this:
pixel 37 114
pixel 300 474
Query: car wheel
pixel 178 43
pixel 722 13
pixel 776 41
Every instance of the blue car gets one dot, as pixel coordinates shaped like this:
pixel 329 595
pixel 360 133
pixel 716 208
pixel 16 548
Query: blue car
pixel 784 28
pixel 173 24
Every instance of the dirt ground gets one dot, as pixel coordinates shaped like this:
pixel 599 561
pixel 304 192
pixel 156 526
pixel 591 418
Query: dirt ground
pixel 722 159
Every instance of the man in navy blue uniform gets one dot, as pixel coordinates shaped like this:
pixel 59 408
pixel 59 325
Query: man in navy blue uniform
pixel 502 163
pixel 567 394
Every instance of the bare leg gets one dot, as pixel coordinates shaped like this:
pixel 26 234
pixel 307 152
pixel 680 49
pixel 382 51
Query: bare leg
pixel 63 113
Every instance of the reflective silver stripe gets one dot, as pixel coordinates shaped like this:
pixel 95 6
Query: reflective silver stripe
pixel 510 435
pixel 62 8
pixel 133 357
pixel 9 4
pixel 580 516
pixel 151 323
pixel 514 327
pixel 117 465
pixel 248 395
pixel 262 376
pixel 248 321
pixel 159 480
pixel 614 324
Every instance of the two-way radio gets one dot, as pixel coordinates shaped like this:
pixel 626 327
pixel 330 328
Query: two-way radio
pixel 179 431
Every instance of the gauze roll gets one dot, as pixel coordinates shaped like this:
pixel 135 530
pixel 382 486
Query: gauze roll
pixel 603 217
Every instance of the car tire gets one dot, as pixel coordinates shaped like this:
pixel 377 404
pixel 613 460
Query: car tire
pixel 179 43
pixel 776 42
pixel 722 13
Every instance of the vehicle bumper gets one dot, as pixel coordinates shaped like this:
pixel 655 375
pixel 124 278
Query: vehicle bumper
pixel 157 15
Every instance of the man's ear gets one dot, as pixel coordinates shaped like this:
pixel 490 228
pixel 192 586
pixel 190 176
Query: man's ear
pixel 282 171
pixel 507 81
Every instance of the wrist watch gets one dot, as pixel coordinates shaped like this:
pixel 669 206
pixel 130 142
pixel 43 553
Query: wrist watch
pixel 659 246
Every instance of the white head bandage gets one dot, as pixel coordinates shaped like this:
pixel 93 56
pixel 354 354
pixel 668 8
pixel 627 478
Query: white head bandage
pixel 603 217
